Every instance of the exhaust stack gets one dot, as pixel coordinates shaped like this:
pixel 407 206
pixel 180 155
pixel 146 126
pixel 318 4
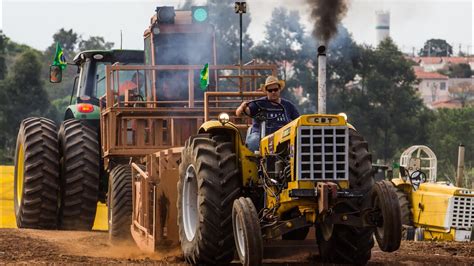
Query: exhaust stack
pixel 460 170
pixel 322 79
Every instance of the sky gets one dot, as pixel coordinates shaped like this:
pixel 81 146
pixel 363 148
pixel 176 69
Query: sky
pixel 412 22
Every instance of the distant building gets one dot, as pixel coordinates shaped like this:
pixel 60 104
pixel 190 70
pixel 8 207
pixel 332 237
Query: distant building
pixel 454 82
pixel 431 64
pixel 382 25
pixel 433 87
pixel 449 104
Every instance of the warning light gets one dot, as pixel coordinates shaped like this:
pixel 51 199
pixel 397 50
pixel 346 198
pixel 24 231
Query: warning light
pixel 85 108
pixel 200 14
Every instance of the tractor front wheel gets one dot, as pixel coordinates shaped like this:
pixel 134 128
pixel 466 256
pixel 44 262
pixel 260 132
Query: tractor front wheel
pixel 119 203
pixel 388 232
pixel 405 213
pixel 208 185
pixel 247 233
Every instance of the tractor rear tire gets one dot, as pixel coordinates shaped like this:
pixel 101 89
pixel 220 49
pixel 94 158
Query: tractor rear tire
pixel 36 185
pixel 389 233
pixel 209 183
pixel 349 244
pixel 80 175
pixel 406 216
pixel 119 203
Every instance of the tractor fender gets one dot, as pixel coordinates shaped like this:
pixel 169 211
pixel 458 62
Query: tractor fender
pixel 350 126
pixel 73 113
pixel 214 124
pixel 246 164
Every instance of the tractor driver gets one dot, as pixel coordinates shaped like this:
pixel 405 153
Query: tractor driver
pixel 277 118
pixel 135 85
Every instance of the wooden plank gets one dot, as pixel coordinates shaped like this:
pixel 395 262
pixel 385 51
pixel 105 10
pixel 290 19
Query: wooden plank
pixel 140 132
pixel 157 132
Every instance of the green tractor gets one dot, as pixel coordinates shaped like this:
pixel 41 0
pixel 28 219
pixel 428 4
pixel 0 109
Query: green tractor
pixel 59 176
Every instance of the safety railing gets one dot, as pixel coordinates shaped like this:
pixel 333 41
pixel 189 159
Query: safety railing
pixel 141 115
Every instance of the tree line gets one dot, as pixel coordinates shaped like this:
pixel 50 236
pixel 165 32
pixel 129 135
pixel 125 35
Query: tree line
pixel 374 86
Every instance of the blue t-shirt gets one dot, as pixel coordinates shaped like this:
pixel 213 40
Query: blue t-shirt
pixel 275 115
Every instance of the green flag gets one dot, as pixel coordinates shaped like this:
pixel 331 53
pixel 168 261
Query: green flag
pixel 205 77
pixel 59 59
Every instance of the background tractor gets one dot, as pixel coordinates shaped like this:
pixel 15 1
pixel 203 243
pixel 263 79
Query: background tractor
pixel 64 165
pixel 430 209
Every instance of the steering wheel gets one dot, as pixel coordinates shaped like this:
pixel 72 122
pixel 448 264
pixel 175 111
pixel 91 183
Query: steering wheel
pixel 416 178
pixel 261 114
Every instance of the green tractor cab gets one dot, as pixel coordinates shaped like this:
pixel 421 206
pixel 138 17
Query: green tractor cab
pixel 59 176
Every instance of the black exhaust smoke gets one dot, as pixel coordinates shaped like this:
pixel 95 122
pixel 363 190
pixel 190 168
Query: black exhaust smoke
pixel 326 15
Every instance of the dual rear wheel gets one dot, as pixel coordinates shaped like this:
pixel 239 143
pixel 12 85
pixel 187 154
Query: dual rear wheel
pixel 56 175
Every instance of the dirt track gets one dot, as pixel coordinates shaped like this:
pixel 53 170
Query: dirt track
pixel 34 246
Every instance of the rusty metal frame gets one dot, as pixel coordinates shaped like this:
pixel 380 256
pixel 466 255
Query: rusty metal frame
pixel 154 132
pixel 145 116
pixel 154 207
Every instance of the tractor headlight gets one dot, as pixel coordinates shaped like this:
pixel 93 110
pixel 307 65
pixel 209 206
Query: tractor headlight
pixel 464 192
pixel 343 115
pixel 223 118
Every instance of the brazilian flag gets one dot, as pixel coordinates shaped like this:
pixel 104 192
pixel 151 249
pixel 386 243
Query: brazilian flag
pixel 59 59
pixel 205 77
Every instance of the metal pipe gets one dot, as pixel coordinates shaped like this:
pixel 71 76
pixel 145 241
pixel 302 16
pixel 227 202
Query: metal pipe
pixel 322 79
pixel 460 170
pixel 240 26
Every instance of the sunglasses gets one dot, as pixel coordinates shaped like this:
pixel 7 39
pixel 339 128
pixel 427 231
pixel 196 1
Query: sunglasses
pixel 273 90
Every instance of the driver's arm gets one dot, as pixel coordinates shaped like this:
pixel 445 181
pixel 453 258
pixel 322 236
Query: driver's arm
pixel 241 108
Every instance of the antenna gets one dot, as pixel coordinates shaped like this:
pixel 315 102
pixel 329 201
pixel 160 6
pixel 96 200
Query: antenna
pixel 120 39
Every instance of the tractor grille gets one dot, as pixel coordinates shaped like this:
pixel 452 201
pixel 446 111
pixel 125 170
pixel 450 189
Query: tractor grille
pixel 462 211
pixel 322 153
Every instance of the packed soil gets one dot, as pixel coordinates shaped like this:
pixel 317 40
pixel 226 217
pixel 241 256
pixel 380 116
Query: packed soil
pixel 67 247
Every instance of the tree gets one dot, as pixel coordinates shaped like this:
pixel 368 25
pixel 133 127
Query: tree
pixel 436 47
pixel 463 92
pixel 3 66
pixel 450 128
pixel 68 40
pixel 460 71
pixel 386 109
pixel 343 56
pixel 226 23
pixel 22 95
pixel 187 5
pixel 283 42
pixel 95 43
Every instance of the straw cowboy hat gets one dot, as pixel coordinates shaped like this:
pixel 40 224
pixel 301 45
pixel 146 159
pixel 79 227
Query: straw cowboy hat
pixel 273 80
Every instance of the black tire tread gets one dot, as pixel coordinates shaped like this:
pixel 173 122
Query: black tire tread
pixel 120 203
pixel 405 213
pixel 80 175
pixel 348 244
pixel 387 199
pixel 39 205
pixel 253 236
pixel 219 185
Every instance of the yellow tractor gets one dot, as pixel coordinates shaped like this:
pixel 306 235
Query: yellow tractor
pixel 314 171
pixel 430 209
